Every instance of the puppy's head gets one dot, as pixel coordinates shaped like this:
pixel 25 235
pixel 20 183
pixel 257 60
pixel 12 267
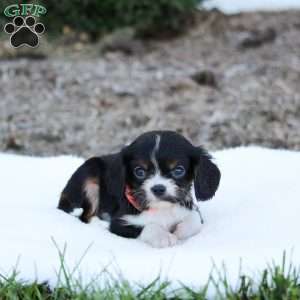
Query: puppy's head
pixel 161 166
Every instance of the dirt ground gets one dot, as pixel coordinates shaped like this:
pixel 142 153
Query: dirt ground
pixel 230 81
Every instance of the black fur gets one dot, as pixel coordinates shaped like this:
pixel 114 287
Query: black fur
pixel 207 175
pixel 112 173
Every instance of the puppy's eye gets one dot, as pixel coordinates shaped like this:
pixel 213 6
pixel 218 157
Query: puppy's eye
pixel 178 172
pixel 139 173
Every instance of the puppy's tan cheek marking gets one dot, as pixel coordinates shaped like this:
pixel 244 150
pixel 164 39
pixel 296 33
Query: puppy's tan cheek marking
pixel 91 189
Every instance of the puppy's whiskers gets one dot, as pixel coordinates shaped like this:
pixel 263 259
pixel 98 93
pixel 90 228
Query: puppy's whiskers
pixel 184 198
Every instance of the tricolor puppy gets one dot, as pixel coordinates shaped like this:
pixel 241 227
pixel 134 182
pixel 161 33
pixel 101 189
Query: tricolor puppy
pixel 145 190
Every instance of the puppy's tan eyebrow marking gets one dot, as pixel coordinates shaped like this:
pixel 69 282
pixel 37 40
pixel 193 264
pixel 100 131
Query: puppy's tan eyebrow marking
pixel 172 163
pixel 143 163
pixel 154 151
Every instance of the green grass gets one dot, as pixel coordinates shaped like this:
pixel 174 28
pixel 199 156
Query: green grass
pixel 276 282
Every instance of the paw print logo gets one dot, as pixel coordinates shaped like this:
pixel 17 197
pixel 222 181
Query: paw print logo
pixel 24 31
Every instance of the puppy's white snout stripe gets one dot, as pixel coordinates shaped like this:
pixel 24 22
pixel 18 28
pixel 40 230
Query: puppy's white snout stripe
pixel 154 151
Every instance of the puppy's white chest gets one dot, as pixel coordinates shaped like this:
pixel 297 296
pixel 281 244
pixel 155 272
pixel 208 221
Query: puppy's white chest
pixel 166 217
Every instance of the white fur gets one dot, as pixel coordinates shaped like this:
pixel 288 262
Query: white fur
pixel 77 212
pixel 167 216
pixel 190 225
pixel 157 236
pixel 164 213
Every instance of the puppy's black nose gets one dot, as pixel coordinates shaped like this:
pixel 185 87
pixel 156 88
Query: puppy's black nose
pixel 158 190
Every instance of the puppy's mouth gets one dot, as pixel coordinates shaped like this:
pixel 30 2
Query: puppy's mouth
pixel 137 198
pixel 142 201
pixel 164 202
pixel 183 198
pixel 167 198
pixel 153 200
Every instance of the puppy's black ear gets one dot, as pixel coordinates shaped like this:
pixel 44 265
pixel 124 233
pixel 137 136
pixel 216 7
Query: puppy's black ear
pixel 207 175
pixel 82 189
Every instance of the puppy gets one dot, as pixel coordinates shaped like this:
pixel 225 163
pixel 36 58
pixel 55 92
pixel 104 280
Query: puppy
pixel 145 190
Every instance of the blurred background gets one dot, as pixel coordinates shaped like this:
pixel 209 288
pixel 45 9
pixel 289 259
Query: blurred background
pixel 106 71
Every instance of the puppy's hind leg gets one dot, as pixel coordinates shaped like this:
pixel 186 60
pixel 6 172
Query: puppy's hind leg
pixel 82 190
pixel 91 202
pixel 65 204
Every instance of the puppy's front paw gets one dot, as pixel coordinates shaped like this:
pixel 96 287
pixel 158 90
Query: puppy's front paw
pixel 165 240
pixel 182 231
pixel 188 227
pixel 157 237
